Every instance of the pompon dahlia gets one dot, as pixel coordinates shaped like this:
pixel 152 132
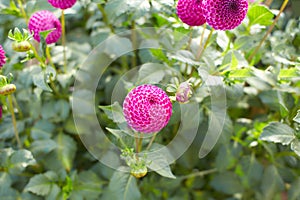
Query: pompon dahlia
pixel 62 4
pixel 190 12
pixel 224 14
pixel 45 20
pixel 147 109
pixel 2 57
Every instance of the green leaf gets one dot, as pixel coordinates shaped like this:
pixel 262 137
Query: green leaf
pixel 252 171
pixel 87 185
pixel 140 7
pixel 297 117
pixel 43 44
pixel 260 14
pixel 295 146
pixel 227 183
pixel 19 160
pixel 275 100
pixel 116 8
pixel 42 129
pixel 151 73
pixel 66 150
pixel 39 184
pixel 16 161
pixel 227 157
pixel 8 193
pixel 43 146
pixel 39 79
pixel 185 57
pixel 244 43
pixel 123 186
pixel 278 133
pixel 272 183
pixel 114 112
pixel 294 192
pixel 7 128
pixel 158 163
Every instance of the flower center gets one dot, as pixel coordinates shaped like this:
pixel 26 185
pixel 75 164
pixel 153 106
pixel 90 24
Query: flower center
pixel 233 6
pixel 151 101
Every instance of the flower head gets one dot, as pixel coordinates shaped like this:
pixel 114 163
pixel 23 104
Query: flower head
pixel 2 57
pixel 147 108
pixel 190 12
pixel 45 20
pixel 62 4
pixel 224 14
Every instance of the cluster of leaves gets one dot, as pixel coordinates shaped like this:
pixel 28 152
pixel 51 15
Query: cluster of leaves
pixel 257 155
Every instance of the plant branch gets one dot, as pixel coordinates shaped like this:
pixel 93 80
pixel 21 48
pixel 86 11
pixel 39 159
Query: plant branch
pixel 14 121
pixel 269 30
pixel 205 45
pixel 200 173
pixel 63 39
pixel 151 141
pixel 23 11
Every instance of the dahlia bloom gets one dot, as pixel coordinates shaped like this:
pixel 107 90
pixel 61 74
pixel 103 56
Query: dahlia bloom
pixel 2 57
pixel 224 14
pixel 190 12
pixel 62 4
pixel 45 20
pixel 147 109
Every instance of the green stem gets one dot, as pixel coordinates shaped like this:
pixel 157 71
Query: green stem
pixel 23 10
pixel 269 30
pixel 63 38
pixel 205 45
pixel 53 87
pixel 18 107
pixel 104 17
pixel 49 57
pixel 134 45
pixel 41 61
pixel 190 38
pixel 201 40
pixel 200 173
pixel 14 121
pixel 151 141
pixel 268 3
pixel 137 145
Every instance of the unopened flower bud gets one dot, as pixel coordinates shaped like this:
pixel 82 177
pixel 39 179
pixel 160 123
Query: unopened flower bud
pixel 139 172
pixel 183 92
pixel 7 89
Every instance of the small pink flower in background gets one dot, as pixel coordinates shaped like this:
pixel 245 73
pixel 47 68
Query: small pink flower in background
pixel 147 109
pixel 2 57
pixel 224 14
pixel 45 20
pixel 62 4
pixel 190 12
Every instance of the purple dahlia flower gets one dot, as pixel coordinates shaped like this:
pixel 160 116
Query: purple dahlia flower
pixel 2 57
pixel 190 12
pixel 45 20
pixel 224 14
pixel 147 109
pixel 62 4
